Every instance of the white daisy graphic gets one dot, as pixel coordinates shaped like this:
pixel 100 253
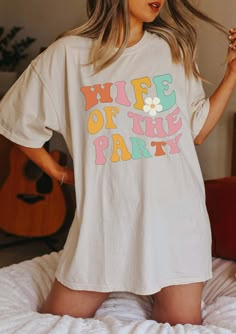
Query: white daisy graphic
pixel 152 106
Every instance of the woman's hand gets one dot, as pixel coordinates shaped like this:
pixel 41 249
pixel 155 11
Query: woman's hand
pixel 47 163
pixel 67 176
pixel 232 51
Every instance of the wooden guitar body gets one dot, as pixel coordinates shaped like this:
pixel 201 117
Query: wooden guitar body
pixel 32 204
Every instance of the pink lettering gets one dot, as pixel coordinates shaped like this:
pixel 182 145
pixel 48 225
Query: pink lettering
pixel 174 122
pixel 121 94
pixel 136 123
pixel 101 143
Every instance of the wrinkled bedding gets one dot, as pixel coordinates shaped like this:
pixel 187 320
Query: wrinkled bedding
pixel 24 286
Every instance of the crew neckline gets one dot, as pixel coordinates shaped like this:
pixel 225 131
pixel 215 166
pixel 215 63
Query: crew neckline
pixel 144 38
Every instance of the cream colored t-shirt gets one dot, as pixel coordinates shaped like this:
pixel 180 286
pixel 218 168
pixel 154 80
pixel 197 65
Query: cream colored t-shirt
pixel 141 222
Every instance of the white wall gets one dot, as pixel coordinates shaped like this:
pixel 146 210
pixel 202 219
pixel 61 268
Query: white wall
pixel 44 20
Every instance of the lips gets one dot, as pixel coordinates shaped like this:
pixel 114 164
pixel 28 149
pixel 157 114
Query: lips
pixel 155 4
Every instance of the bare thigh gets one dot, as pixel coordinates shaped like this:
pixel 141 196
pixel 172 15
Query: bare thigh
pixel 179 304
pixel 80 304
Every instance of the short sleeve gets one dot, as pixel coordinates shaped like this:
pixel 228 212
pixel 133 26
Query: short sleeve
pixel 198 105
pixel 27 114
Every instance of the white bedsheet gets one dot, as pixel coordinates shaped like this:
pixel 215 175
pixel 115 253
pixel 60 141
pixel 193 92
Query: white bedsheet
pixel 24 286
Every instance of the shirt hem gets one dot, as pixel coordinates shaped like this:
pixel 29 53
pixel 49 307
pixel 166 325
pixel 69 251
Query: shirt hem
pixel 18 140
pixel 138 291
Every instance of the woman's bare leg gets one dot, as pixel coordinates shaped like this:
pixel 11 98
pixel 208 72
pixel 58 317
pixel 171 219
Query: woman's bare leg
pixel 79 304
pixel 179 304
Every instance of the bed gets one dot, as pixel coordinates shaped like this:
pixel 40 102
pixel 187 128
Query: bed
pixel 24 286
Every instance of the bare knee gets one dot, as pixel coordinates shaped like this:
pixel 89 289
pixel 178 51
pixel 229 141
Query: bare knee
pixel 64 301
pixel 183 317
pixel 180 304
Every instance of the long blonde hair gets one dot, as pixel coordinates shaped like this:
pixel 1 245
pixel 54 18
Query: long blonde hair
pixel 175 25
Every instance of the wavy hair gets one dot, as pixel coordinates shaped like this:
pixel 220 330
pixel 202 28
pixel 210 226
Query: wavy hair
pixel 175 25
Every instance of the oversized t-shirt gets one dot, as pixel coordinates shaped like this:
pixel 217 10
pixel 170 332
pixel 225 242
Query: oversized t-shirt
pixel 141 222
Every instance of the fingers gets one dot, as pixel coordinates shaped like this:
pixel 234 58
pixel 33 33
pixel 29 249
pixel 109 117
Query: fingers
pixel 232 38
pixel 67 176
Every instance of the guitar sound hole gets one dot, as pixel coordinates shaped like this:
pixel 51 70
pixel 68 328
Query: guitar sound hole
pixel 44 185
pixel 32 171
pixel 29 198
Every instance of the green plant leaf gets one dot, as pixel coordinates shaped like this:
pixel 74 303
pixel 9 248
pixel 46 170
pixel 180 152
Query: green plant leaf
pixel 11 50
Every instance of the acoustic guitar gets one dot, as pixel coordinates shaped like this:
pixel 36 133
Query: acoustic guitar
pixel 31 203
